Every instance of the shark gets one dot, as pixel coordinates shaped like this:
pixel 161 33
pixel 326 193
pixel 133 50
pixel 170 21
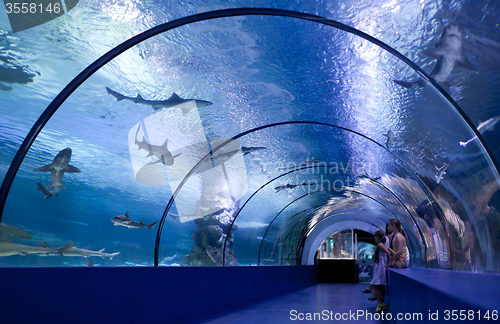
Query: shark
pixel 70 250
pixel 57 168
pixel 124 220
pixel 448 53
pixel 15 231
pixel 160 151
pixel 48 193
pixel 173 101
pixel 224 157
pixel 7 248
pixel 440 172
pixel 487 125
pixel 390 139
pixel 289 186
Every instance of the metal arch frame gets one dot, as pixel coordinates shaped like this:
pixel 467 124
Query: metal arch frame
pixel 308 210
pixel 312 167
pixel 314 226
pixel 426 190
pixel 290 232
pixel 282 209
pixel 347 189
pixel 300 212
pixel 401 203
pixel 331 215
pixel 304 238
pixel 92 68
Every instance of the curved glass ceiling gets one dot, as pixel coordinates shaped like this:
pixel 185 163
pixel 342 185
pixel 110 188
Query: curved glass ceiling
pixel 229 141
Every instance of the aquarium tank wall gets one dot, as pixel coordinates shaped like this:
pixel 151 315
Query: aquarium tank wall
pixel 188 134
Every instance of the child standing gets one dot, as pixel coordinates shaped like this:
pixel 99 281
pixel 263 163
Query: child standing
pixel 382 254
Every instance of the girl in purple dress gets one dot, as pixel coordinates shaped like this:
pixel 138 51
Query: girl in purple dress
pixel 382 254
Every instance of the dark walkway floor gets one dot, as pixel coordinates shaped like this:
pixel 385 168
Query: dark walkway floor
pixel 329 300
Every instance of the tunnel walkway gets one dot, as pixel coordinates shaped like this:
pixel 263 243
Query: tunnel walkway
pixel 327 299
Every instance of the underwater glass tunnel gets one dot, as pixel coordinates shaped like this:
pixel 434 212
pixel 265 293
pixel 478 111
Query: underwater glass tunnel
pixel 249 136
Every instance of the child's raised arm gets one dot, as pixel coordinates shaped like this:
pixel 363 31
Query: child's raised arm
pixel 390 253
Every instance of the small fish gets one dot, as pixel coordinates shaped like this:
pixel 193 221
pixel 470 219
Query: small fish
pixel 160 151
pixel 288 186
pixel 277 242
pixel 390 139
pixel 487 125
pixel 174 216
pixel 57 168
pixel 448 53
pixel 244 150
pixel 173 101
pixel 4 87
pixel 248 150
pixel 441 172
pixel 171 258
pixel 124 220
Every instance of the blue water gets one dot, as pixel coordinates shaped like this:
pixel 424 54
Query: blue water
pixel 257 70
